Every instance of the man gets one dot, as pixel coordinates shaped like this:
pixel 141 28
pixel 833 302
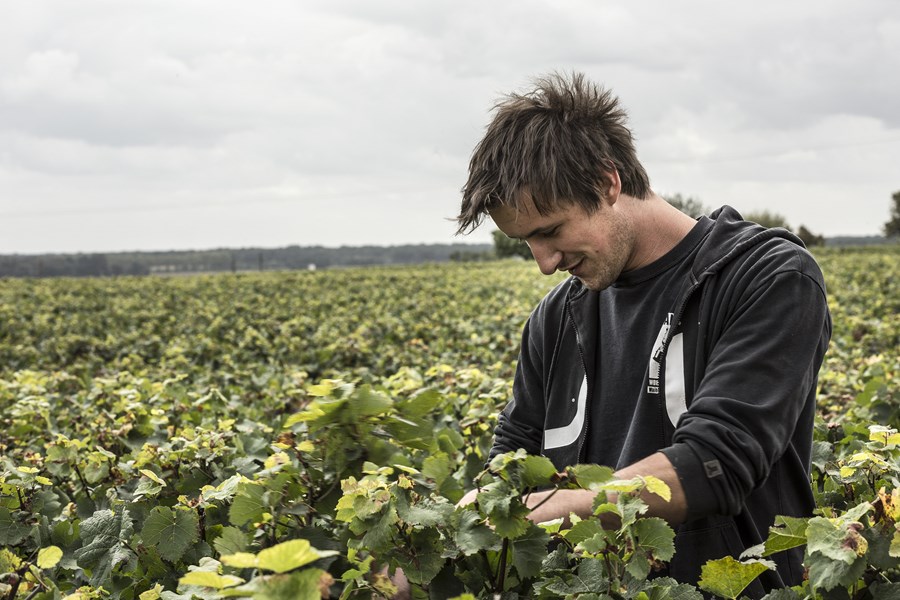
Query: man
pixel 679 348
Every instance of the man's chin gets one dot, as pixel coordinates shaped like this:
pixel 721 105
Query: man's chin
pixel 592 284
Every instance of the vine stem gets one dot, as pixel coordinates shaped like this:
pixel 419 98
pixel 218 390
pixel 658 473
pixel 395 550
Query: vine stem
pixel 501 568
pixel 84 483
pixel 487 564
pixel 544 501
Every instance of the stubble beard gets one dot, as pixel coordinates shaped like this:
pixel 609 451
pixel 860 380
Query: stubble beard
pixel 608 268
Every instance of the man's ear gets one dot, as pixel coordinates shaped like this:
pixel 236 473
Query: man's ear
pixel 612 187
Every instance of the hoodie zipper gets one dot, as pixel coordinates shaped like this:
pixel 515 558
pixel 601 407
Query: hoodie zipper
pixel 587 412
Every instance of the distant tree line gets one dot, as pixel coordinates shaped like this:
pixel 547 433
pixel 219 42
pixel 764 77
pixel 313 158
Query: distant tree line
pixel 223 259
pixel 695 208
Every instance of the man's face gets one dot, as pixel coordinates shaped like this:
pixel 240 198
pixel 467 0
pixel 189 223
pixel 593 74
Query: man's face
pixel 594 247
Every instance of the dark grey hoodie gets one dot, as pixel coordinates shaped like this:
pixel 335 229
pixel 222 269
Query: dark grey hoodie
pixel 751 325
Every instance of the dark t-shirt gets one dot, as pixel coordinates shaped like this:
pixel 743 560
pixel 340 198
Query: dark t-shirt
pixel 634 320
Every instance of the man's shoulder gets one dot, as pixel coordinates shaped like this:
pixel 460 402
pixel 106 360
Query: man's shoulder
pixel 553 305
pixel 736 244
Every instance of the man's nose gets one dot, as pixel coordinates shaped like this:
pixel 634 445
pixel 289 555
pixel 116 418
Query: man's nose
pixel 546 257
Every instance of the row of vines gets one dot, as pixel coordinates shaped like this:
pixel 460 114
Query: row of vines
pixel 303 435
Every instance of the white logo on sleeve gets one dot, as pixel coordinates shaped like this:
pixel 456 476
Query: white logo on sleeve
pixel 568 434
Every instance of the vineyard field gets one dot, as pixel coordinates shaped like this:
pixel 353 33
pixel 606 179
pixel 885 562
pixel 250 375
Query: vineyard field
pixel 301 434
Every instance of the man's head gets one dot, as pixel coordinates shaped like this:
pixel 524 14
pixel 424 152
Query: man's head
pixel 557 144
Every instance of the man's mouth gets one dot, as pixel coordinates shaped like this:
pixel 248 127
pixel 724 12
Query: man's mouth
pixel 572 267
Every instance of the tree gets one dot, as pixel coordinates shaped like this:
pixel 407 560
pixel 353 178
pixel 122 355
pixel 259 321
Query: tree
pixel 689 206
pixel 768 219
pixel 809 238
pixel 892 227
pixel 505 246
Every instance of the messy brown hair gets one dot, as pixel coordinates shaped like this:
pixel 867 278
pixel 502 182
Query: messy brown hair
pixel 558 143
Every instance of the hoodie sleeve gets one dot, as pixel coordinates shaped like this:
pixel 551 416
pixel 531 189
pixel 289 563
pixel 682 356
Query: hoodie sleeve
pixel 521 423
pixel 757 393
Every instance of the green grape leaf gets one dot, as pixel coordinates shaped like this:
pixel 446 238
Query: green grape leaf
pixel 308 584
pixel 12 531
pixel 105 536
pixel 379 534
pixel 529 550
pixel 598 542
pixel 422 559
pixel 583 530
pixel 666 588
pixel 366 402
pixel 513 524
pixel 224 491
pixel 835 539
pixel 638 566
pixel 788 532
pixel 590 575
pixel 727 577
pixel 495 498
pixel 420 405
pixel 248 504
pixel 826 574
pixel 655 537
pixel 171 531
pixel 437 467
pixel 591 476
pixel 536 471
pixel 231 541
pixel 503 507
pixel 425 513
pixel 472 535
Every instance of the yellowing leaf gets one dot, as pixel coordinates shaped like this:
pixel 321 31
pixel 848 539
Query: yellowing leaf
pixel 240 560
pixel 290 555
pixel 277 459
pixel 280 558
pixel 210 579
pixel 29 470
pixel 152 594
pixel 728 577
pixel 322 389
pixel 658 486
pixel 49 557
pixel 847 471
pixel 310 414
pixel 894 549
pixel 152 476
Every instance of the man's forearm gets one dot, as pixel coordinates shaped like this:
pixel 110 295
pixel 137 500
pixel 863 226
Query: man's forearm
pixel 658 465
pixel 552 504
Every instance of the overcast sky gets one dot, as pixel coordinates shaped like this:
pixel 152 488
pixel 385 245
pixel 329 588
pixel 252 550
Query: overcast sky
pixel 138 125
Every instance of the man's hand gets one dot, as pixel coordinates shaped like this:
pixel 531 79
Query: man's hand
pixel 555 504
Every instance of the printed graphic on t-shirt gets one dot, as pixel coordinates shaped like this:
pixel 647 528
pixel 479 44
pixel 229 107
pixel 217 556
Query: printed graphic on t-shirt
pixel 673 356
pixel 558 437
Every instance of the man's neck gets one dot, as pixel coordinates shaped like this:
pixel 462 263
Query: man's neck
pixel 659 227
